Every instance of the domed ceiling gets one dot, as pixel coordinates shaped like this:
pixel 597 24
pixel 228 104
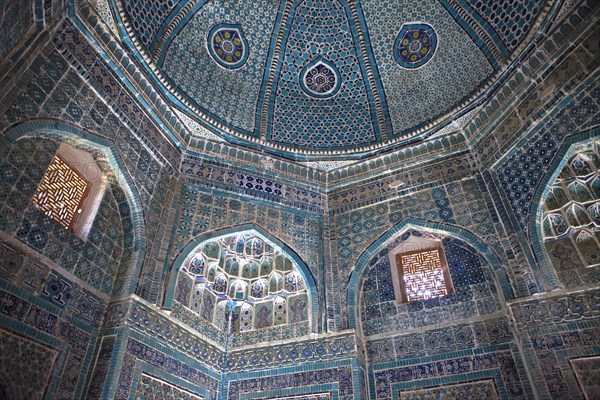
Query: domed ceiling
pixel 327 78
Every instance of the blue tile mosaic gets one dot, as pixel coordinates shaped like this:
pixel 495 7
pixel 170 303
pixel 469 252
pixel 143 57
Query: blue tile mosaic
pixel 103 317
pixel 334 123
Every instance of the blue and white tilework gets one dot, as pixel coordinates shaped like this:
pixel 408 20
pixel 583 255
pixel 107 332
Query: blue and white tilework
pixel 343 119
pixel 107 318
pixel 455 71
pixel 229 95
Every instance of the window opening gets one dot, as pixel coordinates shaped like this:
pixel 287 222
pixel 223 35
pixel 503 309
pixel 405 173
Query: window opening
pixel 62 193
pixel 419 267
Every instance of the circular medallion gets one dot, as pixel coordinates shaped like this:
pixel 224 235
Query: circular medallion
pixel 415 45
pixel 320 78
pixel 228 46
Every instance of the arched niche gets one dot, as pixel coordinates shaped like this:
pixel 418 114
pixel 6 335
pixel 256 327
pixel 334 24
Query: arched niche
pixel 254 286
pixel 75 137
pixel 433 231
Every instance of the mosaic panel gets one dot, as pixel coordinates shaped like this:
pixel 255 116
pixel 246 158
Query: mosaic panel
pixel 342 377
pixel 552 349
pixel 151 388
pixel 475 292
pixel 228 45
pixel 341 121
pixel 159 326
pixel 459 66
pixel 25 366
pixel 230 95
pixel 136 350
pixel 40 324
pixel 61 192
pixel 415 45
pixel 15 18
pixel 146 17
pixel 301 352
pixel 470 336
pixel 501 365
pixel 511 20
pixel 320 78
pixel 482 390
pixel 557 309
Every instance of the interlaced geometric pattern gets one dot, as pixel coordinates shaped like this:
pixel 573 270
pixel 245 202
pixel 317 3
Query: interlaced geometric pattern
pixel 61 193
pixel 422 274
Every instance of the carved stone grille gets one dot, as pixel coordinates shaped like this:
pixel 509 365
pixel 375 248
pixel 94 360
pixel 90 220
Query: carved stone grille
pixel 61 193
pixel 422 275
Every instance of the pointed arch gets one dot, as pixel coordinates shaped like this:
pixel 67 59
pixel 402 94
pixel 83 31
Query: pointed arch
pixel 362 263
pixel 62 131
pixel 301 266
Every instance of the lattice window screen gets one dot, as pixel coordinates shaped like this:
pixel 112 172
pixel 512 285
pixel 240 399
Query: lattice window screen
pixel 422 275
pixel 61 193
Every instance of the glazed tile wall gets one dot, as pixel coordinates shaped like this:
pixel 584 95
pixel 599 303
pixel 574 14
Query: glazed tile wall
pixel 204 210
pixel 55 318
pixel 58 312
pixel 60 91
pixel 109 245
pixel 520 174
pixel 563 61
pixel 131 120
pixel 556 330
pixel 465 203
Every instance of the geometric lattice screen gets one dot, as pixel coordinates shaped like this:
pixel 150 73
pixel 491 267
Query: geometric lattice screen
pixel 61 193
pixel 571 212
pixel 422 275
pixel 241 283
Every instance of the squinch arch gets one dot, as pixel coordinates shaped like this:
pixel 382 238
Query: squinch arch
pixel 303 269
pixel 534 227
